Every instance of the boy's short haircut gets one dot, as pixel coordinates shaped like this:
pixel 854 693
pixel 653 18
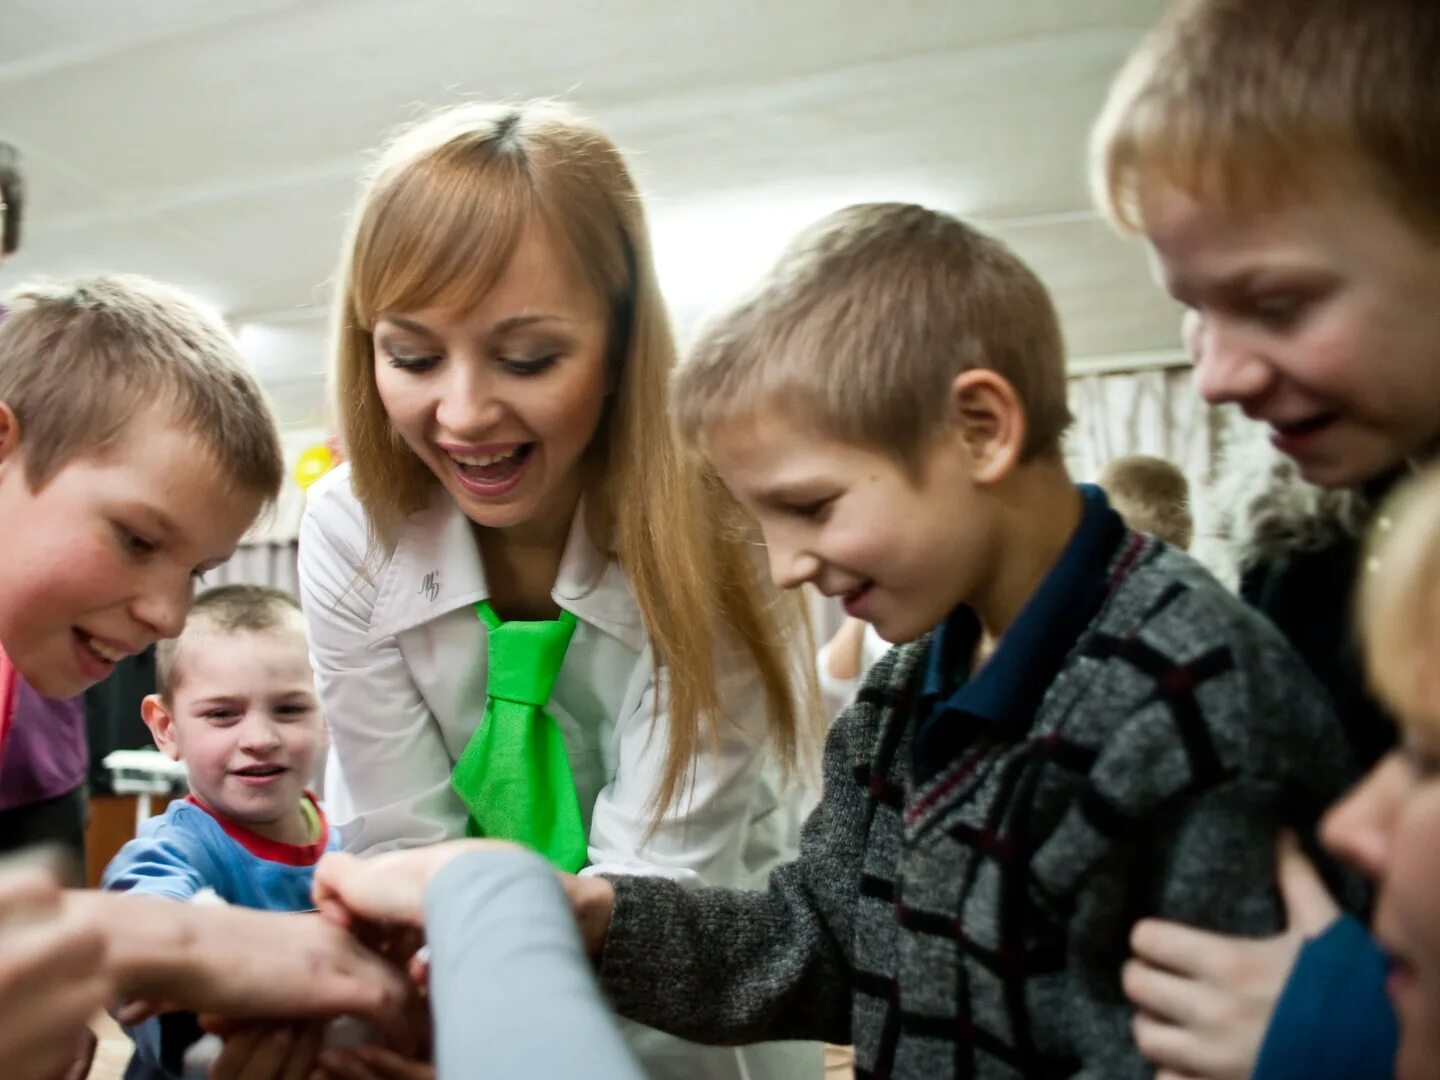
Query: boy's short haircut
pixel 1247 101
pixel 81 359
pixel 1399 599
pixel 1152 495
pixel 227 609
pixel 863 325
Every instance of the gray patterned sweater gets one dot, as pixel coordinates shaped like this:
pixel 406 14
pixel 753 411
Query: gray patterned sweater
pixel 974 923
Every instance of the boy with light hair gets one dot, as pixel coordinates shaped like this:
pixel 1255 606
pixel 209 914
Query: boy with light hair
pixel 135 450
pixel 1279 158
pixel 1079 725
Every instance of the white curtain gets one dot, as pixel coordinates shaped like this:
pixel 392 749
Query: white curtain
pixel 259 564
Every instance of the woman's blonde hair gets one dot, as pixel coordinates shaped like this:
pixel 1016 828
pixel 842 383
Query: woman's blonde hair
pixel 436 224
pixel 1399 601
pixel 1247 101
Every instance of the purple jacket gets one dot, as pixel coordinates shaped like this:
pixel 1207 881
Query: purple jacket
pixel 45 750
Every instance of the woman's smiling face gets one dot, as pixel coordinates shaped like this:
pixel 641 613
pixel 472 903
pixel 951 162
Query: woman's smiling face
pixel 502 400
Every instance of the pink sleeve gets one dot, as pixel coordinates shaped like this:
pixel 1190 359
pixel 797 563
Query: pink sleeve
pixel 7 698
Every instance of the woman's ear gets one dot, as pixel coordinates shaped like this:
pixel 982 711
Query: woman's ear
pixel 989 418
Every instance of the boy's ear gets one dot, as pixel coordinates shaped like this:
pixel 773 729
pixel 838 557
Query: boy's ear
pixel 161 722
pixel 987 415
pixel 9 433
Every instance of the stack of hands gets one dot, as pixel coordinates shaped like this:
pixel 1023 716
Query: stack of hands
pixel 269 982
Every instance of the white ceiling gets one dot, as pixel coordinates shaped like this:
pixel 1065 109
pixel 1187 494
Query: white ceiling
pixel 216 144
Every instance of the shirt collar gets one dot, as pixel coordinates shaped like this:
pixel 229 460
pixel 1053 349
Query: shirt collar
pixel 1007 689
pixel 436 568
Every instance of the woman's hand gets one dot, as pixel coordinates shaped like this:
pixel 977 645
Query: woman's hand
pixel 1205 1000
pixel 52 977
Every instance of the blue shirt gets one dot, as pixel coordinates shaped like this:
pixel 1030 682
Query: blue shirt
pixel 1333 1020
pixel 189 848
pixel 999 700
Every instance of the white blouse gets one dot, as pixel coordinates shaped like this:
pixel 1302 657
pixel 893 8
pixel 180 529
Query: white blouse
pixel 400 665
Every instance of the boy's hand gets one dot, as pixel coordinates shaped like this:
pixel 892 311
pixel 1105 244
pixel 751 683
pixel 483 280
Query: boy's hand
pixel 592 902
pixel 52 977
pixel 373 1063
pixel 233 961
pixel 387 888
pixel 268 1052
pixel 1205 1000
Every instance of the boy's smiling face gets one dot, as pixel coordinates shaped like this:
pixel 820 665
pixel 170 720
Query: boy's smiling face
pixel 855 524
pixel 1320 319
pixel 244 718
pixel 100 562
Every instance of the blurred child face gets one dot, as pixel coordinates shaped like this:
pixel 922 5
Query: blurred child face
pixel 852 522
pixel 1319 319
pixel 244 718
pixel 502 400
pixel 1389 827
pixel 100 562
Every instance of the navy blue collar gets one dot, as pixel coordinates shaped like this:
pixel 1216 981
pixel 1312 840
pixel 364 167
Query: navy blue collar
pixel 1004 694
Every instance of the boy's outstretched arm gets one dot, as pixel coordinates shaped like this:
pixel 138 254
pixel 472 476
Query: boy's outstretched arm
pixel 233 961
pixel 729 966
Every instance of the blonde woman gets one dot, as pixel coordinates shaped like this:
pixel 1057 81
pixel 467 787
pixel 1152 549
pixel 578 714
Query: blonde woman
pixel 502 362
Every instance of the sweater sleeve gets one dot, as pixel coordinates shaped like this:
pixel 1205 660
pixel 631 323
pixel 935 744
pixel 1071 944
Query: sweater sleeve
pixel 509 984
pixel 726 966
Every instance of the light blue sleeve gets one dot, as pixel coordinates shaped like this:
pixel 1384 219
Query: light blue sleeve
pixel 510 985
pixel 159 865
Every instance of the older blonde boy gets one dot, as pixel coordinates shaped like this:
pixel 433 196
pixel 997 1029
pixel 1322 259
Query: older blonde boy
pixel 135 449
pixel 1280 161
pixel 1081 728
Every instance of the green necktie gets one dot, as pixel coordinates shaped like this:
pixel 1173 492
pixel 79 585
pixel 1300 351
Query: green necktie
pixel 514 775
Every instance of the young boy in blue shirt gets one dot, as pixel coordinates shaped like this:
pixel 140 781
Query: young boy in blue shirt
pixel 237 705
pixel 1079 727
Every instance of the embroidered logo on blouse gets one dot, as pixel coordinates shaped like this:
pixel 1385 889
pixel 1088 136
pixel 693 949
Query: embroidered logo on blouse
pixel 430 586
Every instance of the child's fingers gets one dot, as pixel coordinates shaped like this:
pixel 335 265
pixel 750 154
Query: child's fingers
pixel 345 1065
pixel 1160 993
pixel 307 1049
pixel 1175 947
pixel 389 1065
pixel 1169 1047
pixel 257 1053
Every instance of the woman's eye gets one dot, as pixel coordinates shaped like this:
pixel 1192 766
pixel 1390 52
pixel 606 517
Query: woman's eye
pixel 413 363
pixel 529 365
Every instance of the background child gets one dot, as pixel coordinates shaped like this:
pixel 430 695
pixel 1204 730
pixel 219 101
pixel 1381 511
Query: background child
pixel 1280 161
pixel 1094 730
pixel 1152 495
